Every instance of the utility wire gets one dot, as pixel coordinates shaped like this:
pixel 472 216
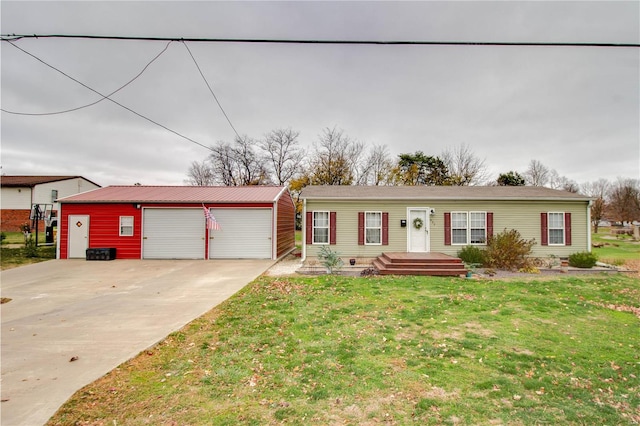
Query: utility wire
pixel 356 42
pixel 211 90
pixel 92 103
pixel 115 102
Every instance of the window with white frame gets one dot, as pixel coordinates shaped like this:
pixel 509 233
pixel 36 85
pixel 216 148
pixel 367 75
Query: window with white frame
pixel 373 228
pixel 459 227
pixel 468 228
pixel 556 228
pixel 126 226
pixel 478 227
pixel 320 227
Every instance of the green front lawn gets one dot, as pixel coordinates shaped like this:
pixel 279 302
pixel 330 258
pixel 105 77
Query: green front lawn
pixel 414 350
pixel 14 254
pixel 14 257
pixel 616 249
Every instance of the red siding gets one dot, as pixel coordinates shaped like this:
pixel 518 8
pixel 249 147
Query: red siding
pixel 104 224
pixel 286 224
pixel 104 228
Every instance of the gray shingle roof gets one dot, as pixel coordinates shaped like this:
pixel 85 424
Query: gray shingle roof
pixel 437 193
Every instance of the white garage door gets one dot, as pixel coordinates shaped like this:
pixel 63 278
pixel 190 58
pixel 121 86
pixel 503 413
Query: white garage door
pixel 243 234
pixel 173 234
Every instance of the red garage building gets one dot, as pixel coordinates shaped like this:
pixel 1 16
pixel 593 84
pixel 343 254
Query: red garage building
pixel 169 222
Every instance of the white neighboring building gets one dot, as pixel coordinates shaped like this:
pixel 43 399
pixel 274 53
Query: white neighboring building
pixel 19 193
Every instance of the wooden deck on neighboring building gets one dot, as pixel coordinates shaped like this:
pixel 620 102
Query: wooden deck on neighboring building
pixel 432 264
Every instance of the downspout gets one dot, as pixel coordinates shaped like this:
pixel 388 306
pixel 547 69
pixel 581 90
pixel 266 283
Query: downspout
pixel 304 230
pixel 589 225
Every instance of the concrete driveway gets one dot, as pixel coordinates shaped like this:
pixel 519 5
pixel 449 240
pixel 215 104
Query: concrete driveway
pixel 103 313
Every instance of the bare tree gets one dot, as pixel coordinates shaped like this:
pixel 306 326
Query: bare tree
pixel 537 174
pixel 223 164
pixel 562 182
pixel 283 154
pixel 624 205
pixel 377 167
pixel 237 164
pixel 200 174
pixel 250 166
pixel 598 190
pixel 331 163
pixel 465 168
pixel 358 164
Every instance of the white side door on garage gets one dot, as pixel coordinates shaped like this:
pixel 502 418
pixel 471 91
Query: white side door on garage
pixel 244 234
pixel 173 233
pixel 78 236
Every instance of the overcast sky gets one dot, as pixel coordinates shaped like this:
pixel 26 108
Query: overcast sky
pixel 577 110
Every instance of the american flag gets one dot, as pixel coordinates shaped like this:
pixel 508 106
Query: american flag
pixel 212 223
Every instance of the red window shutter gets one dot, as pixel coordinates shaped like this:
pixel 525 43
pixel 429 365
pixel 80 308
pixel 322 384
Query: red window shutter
pixel 567 229
pixel 360 228
pixel 332 227
pixel 309 228
pixel 447 229
pixel 385 229
pixel 544 230
pixel 489 225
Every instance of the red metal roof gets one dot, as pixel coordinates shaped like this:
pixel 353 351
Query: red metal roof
pixel 31 181
pixel 178 194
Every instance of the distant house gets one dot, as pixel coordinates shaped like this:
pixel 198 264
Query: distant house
pixel 169 222
pixel 365 221
pixel 19 193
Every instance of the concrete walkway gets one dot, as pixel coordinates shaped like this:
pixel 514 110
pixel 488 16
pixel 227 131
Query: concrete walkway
pixel 103 314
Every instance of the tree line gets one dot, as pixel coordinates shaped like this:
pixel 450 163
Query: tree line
pixel 278 158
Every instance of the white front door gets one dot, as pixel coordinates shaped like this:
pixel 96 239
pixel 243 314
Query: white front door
pixel 78 236
pixel 418 230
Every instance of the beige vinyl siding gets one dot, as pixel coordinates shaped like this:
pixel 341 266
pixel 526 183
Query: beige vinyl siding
pixel 521 215
pixel 347 227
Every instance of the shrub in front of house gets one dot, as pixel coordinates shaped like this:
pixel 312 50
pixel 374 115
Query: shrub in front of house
pixel 330 259
pixel 472 255
pixel 583 259
pixel 508 250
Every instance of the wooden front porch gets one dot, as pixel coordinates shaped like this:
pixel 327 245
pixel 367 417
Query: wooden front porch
pixel 431 264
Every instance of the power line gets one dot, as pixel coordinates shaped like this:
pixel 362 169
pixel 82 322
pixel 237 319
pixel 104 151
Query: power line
pixel 211 90
pixel 115 102
pixel 92 103
pixel 9 37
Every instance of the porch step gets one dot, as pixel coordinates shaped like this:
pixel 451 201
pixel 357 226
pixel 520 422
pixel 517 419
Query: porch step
pixel 430 264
